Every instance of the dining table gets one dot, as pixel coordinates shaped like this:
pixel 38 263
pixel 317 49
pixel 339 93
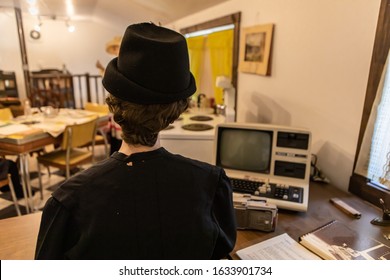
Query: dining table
pixel 30 133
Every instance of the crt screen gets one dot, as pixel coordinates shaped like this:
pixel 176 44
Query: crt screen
pixel 243 149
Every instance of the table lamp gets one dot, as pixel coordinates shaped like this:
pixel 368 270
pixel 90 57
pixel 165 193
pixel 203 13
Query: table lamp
pixel 229 93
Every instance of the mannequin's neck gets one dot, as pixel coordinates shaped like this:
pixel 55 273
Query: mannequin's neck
pixel 129 149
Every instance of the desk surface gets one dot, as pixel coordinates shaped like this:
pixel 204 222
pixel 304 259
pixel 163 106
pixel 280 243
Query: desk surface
pixel 18 235
pixel 320 211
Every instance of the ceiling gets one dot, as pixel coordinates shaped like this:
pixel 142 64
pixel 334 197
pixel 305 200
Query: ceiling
pixel 162 11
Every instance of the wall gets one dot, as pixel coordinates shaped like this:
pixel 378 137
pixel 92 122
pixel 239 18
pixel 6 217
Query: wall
pixel 320 65
pixel 10 59
pixel 79 50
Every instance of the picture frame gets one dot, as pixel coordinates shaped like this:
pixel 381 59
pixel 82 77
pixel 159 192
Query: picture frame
pixel 255 49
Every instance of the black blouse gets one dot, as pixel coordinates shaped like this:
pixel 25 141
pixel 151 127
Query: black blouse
pixel 151 205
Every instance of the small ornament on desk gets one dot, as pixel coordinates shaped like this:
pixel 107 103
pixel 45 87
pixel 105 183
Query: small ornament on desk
pixel 316 175
pixel 49 111
pixel 385 219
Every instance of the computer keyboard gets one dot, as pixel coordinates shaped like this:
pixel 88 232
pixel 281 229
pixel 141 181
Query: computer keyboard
pixel 270 190
pixel 245 186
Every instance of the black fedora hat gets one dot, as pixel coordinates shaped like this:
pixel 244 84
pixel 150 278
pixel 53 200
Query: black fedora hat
pixel 152 66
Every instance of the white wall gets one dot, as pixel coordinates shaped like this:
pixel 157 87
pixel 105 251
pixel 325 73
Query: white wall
pixel 10 59
pixel 79 50
pixel 320 64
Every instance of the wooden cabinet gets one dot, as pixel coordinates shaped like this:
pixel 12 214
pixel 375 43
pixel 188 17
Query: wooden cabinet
pixel 8 86
pixel 52 87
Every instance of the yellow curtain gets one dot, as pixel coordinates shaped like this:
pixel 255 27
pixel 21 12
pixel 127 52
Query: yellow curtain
pixel 196 52
pixel 220 45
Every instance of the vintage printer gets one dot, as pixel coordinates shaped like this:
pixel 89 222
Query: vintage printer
pixel 254 214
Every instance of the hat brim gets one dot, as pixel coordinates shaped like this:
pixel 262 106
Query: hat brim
pixel 122 87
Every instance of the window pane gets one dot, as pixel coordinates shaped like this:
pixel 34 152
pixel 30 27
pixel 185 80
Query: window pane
pixel 380 146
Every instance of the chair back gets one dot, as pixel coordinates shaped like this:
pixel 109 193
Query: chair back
pixel 8 181
pixel 95 107
pixel 6 114
pixel 78 135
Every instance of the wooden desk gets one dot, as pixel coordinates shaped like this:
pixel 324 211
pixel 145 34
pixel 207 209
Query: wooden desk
pixel 18 235
pixel 320 211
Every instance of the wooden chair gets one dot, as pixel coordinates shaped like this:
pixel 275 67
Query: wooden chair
pixel 6 114
pixel 101 135
pixel 70 154
pixel 8 181
pixel 95 107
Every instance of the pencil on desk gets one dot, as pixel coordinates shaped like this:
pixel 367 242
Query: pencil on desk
pixel 345 207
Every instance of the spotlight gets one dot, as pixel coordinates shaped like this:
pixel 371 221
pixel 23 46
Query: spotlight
pixel 71 28
pixel 37 27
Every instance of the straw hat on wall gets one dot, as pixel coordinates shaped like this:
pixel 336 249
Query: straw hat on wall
pixel 112 47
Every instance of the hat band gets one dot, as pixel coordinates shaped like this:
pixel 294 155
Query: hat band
pixel 125 89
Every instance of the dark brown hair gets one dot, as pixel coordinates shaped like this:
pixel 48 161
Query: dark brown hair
pixel 141 123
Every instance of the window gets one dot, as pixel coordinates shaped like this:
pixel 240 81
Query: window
pixel 378 165
pixel 231 21
pixel 374 155
pixel 366 186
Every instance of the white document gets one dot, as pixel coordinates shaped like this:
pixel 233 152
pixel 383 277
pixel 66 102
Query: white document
pixel 281 247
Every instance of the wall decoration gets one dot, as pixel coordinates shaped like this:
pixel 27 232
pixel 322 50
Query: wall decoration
pixel 34 34
pixel 255 49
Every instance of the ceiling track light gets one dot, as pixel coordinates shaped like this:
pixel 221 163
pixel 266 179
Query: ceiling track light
pixel 35 32
pixel 37 27
pixel 71 27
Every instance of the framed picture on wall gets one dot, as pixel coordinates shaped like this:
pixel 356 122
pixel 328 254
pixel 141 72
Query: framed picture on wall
pixel 255 49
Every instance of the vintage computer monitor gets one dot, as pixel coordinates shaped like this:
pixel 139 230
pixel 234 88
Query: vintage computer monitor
pixel 268 162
